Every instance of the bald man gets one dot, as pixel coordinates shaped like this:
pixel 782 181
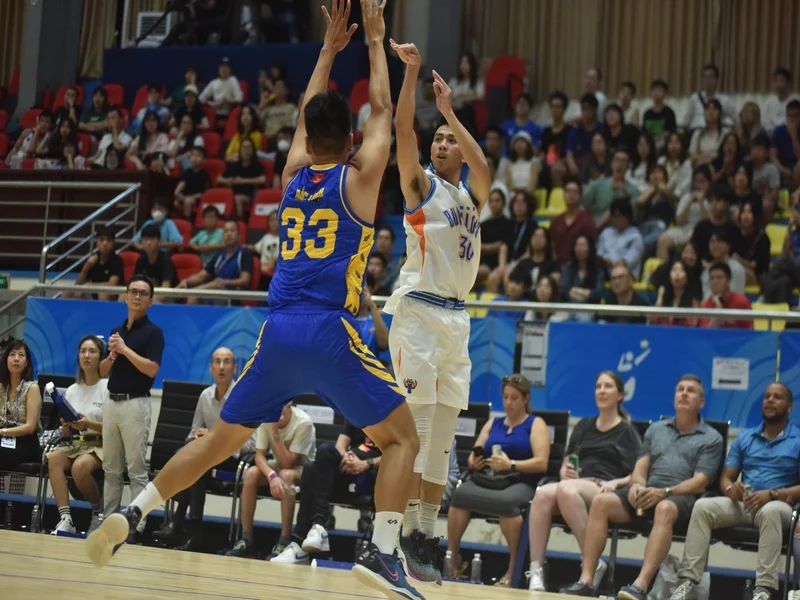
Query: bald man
pixel 212 399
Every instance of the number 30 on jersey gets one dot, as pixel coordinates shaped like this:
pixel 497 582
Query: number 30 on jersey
pixel 465 251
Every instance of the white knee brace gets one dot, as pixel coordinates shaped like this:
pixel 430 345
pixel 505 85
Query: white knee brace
pixel 436 428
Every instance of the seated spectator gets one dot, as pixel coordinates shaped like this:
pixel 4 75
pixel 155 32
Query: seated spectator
pixel 518 289
pixel 230 269
pixel 592 82
pixel 93 120
pixel 692 208
pixel 268 247
pixel 223 92
pixel 149 148
pixel 190 77
pixel 598 164
pixel 208 241
pixel 191 107
pixel 705 142
pixel 154 104
pixel 554 143
pixel 116 137
pixel 679 459
pixel 376 266
pixel 84 453
pixel 677 164
pixel 566 228
pixel 277 70
pixel 598 197
pixel 523 206
pixel 194 181
pixel 655 208
pixel 276 111
pixel 697 115
pixel 170 236
pixel 719 283
pixel 785 145
pixel 753 251
pixel 115 159
pixel 546 292
pixel 768 459
pixel 718 220
pixel 51 148
pixel 728 159
pixel 644 158
pixel 30 140
pixel 467 88
pixel 70 111
pixel 494 145
pixel 605 449
pixel 20 407
pixel 621 243
pixel 579 141
pixel 775 105
pixel 522 122
pixel 104 267
pixel 353 460
pixel 720 249
pixel 243 177
pixel 282 144
pixel 522 174
pixel 538 259
pixel 582 276
pixel 154 261
pixel 766 181
pixel 694 267
pixel 185 140
pixel 496 231
pixel 621 294
pixel 247 127
pixel 625 98
pixel 678 292
pixel 749 126
pixel 293 443
pixel 617 132
pixel 206 414
pixel 384 243
pixel 659 119
pixel 371 327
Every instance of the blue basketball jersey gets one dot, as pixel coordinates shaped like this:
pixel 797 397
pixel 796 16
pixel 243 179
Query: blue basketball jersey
pixel 323 245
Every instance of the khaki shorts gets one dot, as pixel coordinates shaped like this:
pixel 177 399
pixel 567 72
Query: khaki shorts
pixel 75 449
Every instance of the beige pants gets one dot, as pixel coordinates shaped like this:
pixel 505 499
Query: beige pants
pixel 126 428
pixel 712 513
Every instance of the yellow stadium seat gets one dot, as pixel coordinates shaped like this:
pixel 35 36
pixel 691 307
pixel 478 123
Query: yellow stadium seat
pixel 541 198
pixel 641 286
pixel 545 223
pixel 650 266
pixel 784 201
pixel 480 313
pixel 763 324
pixel 555 206
pixel 753 290
pixel 776 234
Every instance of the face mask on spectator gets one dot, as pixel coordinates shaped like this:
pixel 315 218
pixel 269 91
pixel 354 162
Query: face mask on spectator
pixel 284 145
pixel 158 215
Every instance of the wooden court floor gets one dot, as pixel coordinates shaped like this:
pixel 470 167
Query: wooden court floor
pixel 34 566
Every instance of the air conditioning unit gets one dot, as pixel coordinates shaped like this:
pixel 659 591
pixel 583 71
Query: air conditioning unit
pixel 146 20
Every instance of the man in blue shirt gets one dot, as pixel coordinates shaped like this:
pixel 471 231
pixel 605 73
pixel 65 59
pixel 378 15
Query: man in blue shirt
pixel 522 121
pixel 785 150
pixel 768 458
pixel 171 237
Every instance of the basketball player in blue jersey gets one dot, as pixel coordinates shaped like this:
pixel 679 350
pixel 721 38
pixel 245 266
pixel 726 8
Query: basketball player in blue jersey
pixel 310 342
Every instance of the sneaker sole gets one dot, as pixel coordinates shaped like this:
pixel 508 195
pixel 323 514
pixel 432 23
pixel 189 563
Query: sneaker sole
pixel 401 556
pixel 326 547
pixel 376 582
pixel 626 596
pixel 100 545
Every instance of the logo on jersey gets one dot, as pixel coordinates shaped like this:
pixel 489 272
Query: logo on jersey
pixel 410 384
pixel 317 178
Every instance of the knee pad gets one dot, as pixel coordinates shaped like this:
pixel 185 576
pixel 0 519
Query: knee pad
pixel 423 419
pixel 437 459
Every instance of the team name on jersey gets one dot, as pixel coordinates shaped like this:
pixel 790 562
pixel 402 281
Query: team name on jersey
pixel 302 195
pixel 467 218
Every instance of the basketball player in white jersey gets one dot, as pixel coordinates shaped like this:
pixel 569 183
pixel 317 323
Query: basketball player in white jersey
pixel 429 336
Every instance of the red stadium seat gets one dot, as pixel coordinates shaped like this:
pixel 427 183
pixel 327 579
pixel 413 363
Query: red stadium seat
pixel 332 85
pixel 185 227
pixel 214 167
pixel 507 71
pixel 222 198
pixel 59 99
pixel 186 264
pixel 242 232
pixel 29 117
pixel 269 169
pixel 265 202
pixel 211 116
pixel 3 120
pixel 213 143
pixel 231 125
pixel 84 144
pixel 13 85
pixel 255 279
pixel 4 145
pixel 129 259
pixel 129 165
pixel 481 117
pixel 245 91
pixel 359 95
pixel 116 94
pixel 28 163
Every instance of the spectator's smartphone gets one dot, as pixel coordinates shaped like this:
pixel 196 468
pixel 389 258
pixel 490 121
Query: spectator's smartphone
pixel 478 452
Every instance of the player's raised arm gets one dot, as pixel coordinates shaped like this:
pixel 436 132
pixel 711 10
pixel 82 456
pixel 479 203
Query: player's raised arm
pixel 480 179
pixel 413 182
pixel 337 36
pixel 371 159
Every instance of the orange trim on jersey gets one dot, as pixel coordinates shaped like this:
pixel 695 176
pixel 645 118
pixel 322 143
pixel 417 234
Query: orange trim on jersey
pixel 417 222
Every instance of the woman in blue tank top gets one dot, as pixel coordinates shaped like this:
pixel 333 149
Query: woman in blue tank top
pixel 516 449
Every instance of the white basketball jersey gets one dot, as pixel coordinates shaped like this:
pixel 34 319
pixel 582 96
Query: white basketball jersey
pixel 443 244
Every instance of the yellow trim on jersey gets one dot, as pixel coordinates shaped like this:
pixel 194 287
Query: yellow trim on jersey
pixel 354 275
pixel 368 360
pixel 325 167
pixel 252 358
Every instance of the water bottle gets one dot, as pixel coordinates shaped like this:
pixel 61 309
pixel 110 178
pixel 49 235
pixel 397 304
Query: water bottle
pixel 35 519
pixel 475 570
pixel 448 565
pixel 747 592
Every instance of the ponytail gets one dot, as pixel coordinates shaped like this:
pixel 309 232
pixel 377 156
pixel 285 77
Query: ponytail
pixel 623 413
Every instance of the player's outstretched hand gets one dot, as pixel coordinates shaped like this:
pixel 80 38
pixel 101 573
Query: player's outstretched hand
pixel 372 16
pixel 408 53
pixel 337 34
pixel 444 95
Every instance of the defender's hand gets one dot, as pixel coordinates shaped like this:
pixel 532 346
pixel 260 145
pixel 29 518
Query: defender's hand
pixel 337 34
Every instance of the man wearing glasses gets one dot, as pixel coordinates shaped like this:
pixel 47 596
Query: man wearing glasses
pixel 135 349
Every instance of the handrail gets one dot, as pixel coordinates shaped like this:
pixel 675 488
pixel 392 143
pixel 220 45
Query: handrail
pixel 11 304
pixel 68 185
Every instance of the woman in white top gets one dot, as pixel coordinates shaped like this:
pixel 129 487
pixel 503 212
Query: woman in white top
pixel 467 85
pixel 186 139
pixel 678 165
pixel 692 208
pixel 644 157
pixel 522 174
pixel 149 149
pixel 84 454
pixel 705 142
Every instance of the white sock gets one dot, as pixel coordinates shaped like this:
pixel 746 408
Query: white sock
pixel 411 516
pixel 428 513
pixel 387 527
pixel 148 500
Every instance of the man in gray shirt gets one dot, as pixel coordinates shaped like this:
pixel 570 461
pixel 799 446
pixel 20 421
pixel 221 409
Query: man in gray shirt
pixel 680 458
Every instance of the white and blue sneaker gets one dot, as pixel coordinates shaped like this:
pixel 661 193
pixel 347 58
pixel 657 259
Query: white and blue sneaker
pixel 316 540
pixel 114 531
pixel 384 573
pixel 292 555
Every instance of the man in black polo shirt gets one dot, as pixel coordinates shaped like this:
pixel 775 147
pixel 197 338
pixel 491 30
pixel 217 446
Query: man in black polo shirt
pixel 193 183
pixel 154 261
pixel 621 294
pixel 104 267
pixel 135 349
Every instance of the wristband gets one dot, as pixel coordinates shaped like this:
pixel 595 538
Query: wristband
pixel 272 476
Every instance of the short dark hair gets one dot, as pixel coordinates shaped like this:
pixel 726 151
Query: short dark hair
pixel 105 231
pixel 145 278
pixel 27 372
pixel 722 235
pixel 589 100
pixel 720 266
pixel 151 231
pixel 286 131
pixel 703 170
pixel 114 108
pixel 573 179
pixel 154 87
pixel 630 85
pixel 712 67
pixel 380 257
pixel 662 83
pixel 200 149
pixel 389 229
pixel 45 114
pixel 793 105
pixel 496 130
pixel 722 192
pixel 695 379
pixel 527 97
pixel 210 208
pixel 783 72
pixel 559 95
pixel 621 150
pixel 521 274
pixel 328 120
pixel 161 201
pixel 622 207
pixel 762 139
